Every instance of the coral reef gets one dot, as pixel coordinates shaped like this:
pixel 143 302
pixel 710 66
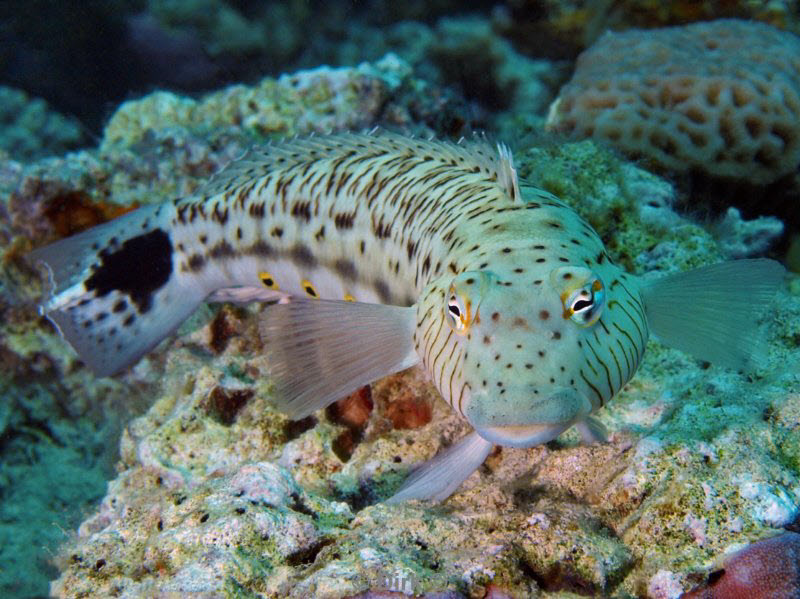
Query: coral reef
pixel 31 130
pixel 739 238
pixel 699 458
pixel 321 100
pixel 721 97
pixel 562 28
pixel 217 493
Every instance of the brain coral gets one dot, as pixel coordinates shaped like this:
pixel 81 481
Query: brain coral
pixel 721 97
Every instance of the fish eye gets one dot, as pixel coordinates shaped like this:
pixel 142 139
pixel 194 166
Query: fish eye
pixel 585 304
pixel 457 313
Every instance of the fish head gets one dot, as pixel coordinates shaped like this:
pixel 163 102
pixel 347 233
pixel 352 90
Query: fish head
pixel 508 355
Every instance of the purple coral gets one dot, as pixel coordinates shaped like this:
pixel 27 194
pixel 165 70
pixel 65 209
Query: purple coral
pixel 768 569
pixel 721 97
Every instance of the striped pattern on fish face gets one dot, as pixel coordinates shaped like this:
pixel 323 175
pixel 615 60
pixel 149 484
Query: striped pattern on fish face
pixel 540 328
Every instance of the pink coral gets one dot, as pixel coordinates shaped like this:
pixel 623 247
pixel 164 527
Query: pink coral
pixel 722 97
pixel 766 569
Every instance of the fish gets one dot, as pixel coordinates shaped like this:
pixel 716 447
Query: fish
pixel 378 252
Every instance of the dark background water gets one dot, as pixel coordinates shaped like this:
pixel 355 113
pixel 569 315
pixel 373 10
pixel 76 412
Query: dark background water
pixel 84 57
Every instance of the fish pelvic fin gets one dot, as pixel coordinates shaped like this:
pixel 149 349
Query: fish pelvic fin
pixel 439 477
pixel 712 312
pixel 115 289
pixel 320 351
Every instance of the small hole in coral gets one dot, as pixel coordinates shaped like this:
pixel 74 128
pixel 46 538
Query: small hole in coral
pixel 754 126
pixel 740 96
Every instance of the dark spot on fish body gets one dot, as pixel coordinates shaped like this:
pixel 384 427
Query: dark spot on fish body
pixel 426 265
pixel 383 232
pixel 411 249
pixel 196 262
pixel 220 217
pixel 276 232
pixel 222 250
pixel 382 289
pixel 261 248
pixel 140 267
pixel 343 220
pixel 302 210
pixel 346 269
pixel 303 256
pixel 309 289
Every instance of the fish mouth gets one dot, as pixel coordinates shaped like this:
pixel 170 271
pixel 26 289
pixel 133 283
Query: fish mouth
pixel 522 436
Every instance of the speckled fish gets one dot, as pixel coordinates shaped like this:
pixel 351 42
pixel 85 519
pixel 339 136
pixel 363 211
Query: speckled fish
pixel 395 252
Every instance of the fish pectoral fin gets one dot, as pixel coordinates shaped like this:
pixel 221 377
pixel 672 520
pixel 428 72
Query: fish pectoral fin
pixel 320 351
pixel 712 312
pixel 592 430
pixel 437 478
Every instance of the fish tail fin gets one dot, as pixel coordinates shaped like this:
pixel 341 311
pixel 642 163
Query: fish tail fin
pixel 115 292
pixel 711 312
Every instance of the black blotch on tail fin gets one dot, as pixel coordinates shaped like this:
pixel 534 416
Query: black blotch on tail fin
pixel 114 290
pixel 141 266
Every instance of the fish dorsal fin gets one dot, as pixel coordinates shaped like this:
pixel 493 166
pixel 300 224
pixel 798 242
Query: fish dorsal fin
pixel 507 174
pixel 475 155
